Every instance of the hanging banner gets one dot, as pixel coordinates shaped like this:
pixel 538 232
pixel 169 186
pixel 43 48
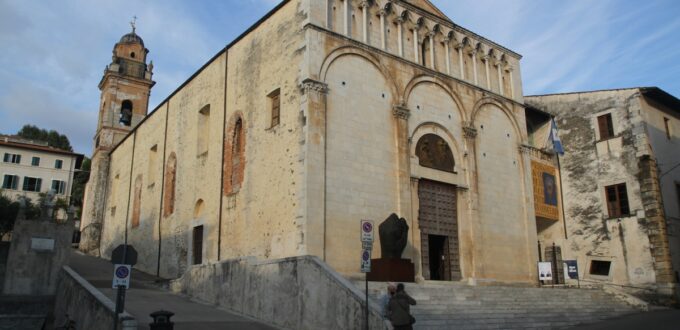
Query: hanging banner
pixel 545 271
pixel 571 269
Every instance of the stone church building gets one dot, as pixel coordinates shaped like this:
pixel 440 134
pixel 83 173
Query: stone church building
pixel 324 113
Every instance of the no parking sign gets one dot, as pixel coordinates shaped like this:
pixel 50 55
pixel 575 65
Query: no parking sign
pixel 121 276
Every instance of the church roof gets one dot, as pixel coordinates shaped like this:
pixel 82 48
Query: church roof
pixel 132 37
pixel 427 6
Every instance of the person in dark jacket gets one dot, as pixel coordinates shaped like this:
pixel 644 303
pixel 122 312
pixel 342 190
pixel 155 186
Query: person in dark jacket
pixel 399 309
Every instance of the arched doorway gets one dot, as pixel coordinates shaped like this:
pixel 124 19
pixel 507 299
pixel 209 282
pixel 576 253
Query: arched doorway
pixel 437 212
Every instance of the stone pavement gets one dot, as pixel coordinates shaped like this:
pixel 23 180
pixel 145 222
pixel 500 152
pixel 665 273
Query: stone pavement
pixel 145 296
pixel 663 319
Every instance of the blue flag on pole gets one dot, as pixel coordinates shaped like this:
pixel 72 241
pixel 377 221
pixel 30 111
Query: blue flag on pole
pixel 555 138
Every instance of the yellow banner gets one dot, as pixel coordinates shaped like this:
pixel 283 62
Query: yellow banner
pixel 545 190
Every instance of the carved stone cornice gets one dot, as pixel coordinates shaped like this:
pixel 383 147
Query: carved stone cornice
pixel 469 130
pixel 364 4
pixel 525 149
pixel 312 85
pixel 400 111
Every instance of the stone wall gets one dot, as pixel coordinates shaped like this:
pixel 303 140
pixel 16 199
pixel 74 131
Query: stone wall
pixel 293 293
pixel 81 303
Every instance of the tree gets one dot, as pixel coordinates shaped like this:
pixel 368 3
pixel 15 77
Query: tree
pixel 79 181
pixel 9 210
pixel 52 137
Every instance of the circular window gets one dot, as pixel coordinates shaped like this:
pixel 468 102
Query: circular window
pixel 132 54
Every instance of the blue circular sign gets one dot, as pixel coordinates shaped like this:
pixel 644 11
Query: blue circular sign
pixel 365 256
pixel 368 227
pixel 122 272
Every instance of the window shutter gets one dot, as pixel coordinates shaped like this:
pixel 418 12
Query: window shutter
pixel 602 126
pixel 276 109
pixel 15 183
pixel 38 184
pixel 18 159
pixel 6 158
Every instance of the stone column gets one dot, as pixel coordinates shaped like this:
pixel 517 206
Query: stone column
pixel 474 66
pixel 500 78
pixel 415 45
pixel 345 17
pixel 383 42
pixel 512 83
pixel 431 35
pixel 313 105
pixel 448 56
pixel 400 35
pixel 469 210
pixel 486 67
pixel 364 18
pixel 401 114
pixel 461 64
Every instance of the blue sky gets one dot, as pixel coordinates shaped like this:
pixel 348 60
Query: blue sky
pixel 54 52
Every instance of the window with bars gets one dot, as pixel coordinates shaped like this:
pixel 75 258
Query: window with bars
pixel 617 200
pixel 12 158
pixel 10 182
pixel 58 164
pixel 32 184
pixel 275 101
pixel 35 161
pixel 605 126
pixel 59 186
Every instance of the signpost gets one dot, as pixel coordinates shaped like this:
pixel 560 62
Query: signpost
pixel 123 258
pixel 366 247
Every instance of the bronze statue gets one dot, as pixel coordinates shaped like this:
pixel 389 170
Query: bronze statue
pixel 393 236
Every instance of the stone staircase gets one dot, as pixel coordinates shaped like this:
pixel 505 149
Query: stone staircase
pixel 449 305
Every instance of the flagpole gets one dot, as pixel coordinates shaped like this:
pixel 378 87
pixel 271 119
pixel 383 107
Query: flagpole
pixel 552 138
pixel 564 215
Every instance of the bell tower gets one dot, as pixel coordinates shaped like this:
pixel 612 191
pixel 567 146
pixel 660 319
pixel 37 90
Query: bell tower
pixel 123 104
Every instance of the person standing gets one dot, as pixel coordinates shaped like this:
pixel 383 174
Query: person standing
pixel 399 309
pixel 385 298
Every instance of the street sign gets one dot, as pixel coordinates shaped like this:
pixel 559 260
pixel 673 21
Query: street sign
pixel 366 231
pixel 121 276
pixel 545 271
pixel 366 261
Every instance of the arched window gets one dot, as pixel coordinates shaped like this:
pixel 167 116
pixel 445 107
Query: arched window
pixel 169 190
pixel 234 156
pixel 434 152
pixel 137 203
pixel 126 113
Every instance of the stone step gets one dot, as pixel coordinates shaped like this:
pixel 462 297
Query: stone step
pixel 443 305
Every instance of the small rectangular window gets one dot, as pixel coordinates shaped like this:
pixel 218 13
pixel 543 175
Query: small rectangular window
pixel 600 268
pixel 58 163
pixel 617 200
pixel 59 186
pixel 203 138
pixel 606 126
pixel 198 245
pixel 666 124
pixel 35 161
pixel 275 101
pixel 12 158
pixel 32 184
pixel 10 182
pixel 153 155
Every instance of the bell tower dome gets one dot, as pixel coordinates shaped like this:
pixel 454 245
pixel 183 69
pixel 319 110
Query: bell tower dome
pixel 123 104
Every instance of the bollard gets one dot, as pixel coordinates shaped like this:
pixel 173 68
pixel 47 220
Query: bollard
pixel 161 320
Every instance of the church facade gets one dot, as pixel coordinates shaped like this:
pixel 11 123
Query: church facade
pixel 322 114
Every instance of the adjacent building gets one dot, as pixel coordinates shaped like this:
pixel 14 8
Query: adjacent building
pixel 621 184
pixel 29 168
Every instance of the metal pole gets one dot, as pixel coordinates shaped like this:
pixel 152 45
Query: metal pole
pixel 555 268
pixel 120 305
pixel 366 311
pixel 564 214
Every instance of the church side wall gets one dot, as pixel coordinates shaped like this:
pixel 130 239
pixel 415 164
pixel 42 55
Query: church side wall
pixel 263 216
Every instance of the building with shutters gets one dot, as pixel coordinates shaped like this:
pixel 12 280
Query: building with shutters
pixel 320 115
pixel 621 184
pixel 29 168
